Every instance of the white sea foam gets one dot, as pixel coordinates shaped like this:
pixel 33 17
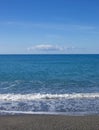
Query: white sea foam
pixel 4 112
pixel 38 96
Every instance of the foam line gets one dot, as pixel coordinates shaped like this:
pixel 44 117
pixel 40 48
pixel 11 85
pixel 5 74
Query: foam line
pixel 4 112
pixel 38 96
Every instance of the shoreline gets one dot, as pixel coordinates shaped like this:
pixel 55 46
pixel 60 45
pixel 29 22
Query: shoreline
pixel 3 112
pixel 48 122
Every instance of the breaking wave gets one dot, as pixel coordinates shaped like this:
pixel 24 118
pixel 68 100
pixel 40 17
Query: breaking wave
pixel 38 96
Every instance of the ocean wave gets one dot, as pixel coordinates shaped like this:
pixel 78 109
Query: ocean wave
pixel 4 112
pixel 38 96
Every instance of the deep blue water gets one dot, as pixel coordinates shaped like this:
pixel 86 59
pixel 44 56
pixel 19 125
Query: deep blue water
pixel 49 83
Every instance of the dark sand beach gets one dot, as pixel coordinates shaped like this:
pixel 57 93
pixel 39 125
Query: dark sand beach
pixel 49 122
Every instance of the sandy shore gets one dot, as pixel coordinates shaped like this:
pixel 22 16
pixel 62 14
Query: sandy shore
pixel 49 122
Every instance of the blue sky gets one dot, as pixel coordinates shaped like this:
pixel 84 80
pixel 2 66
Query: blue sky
pixel 49 26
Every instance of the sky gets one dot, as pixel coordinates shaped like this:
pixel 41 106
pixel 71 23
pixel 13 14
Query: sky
pixel 49 26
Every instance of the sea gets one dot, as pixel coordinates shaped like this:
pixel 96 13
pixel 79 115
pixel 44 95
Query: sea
pixel 49 84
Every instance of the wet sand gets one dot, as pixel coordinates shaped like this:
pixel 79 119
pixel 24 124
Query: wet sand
pixel 49 122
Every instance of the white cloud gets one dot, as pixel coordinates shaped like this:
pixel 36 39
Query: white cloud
pixel 46 47
pixel 64 27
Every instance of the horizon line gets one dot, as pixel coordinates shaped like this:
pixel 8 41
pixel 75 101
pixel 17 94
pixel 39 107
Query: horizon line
pixel 51 54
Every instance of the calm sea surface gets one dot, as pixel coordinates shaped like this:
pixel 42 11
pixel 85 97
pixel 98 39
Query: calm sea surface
pixel 66 84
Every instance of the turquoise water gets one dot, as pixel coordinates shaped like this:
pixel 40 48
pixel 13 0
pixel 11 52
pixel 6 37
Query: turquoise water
pixel 49 83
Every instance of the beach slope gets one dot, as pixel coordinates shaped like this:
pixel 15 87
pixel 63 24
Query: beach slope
pixel 49 122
